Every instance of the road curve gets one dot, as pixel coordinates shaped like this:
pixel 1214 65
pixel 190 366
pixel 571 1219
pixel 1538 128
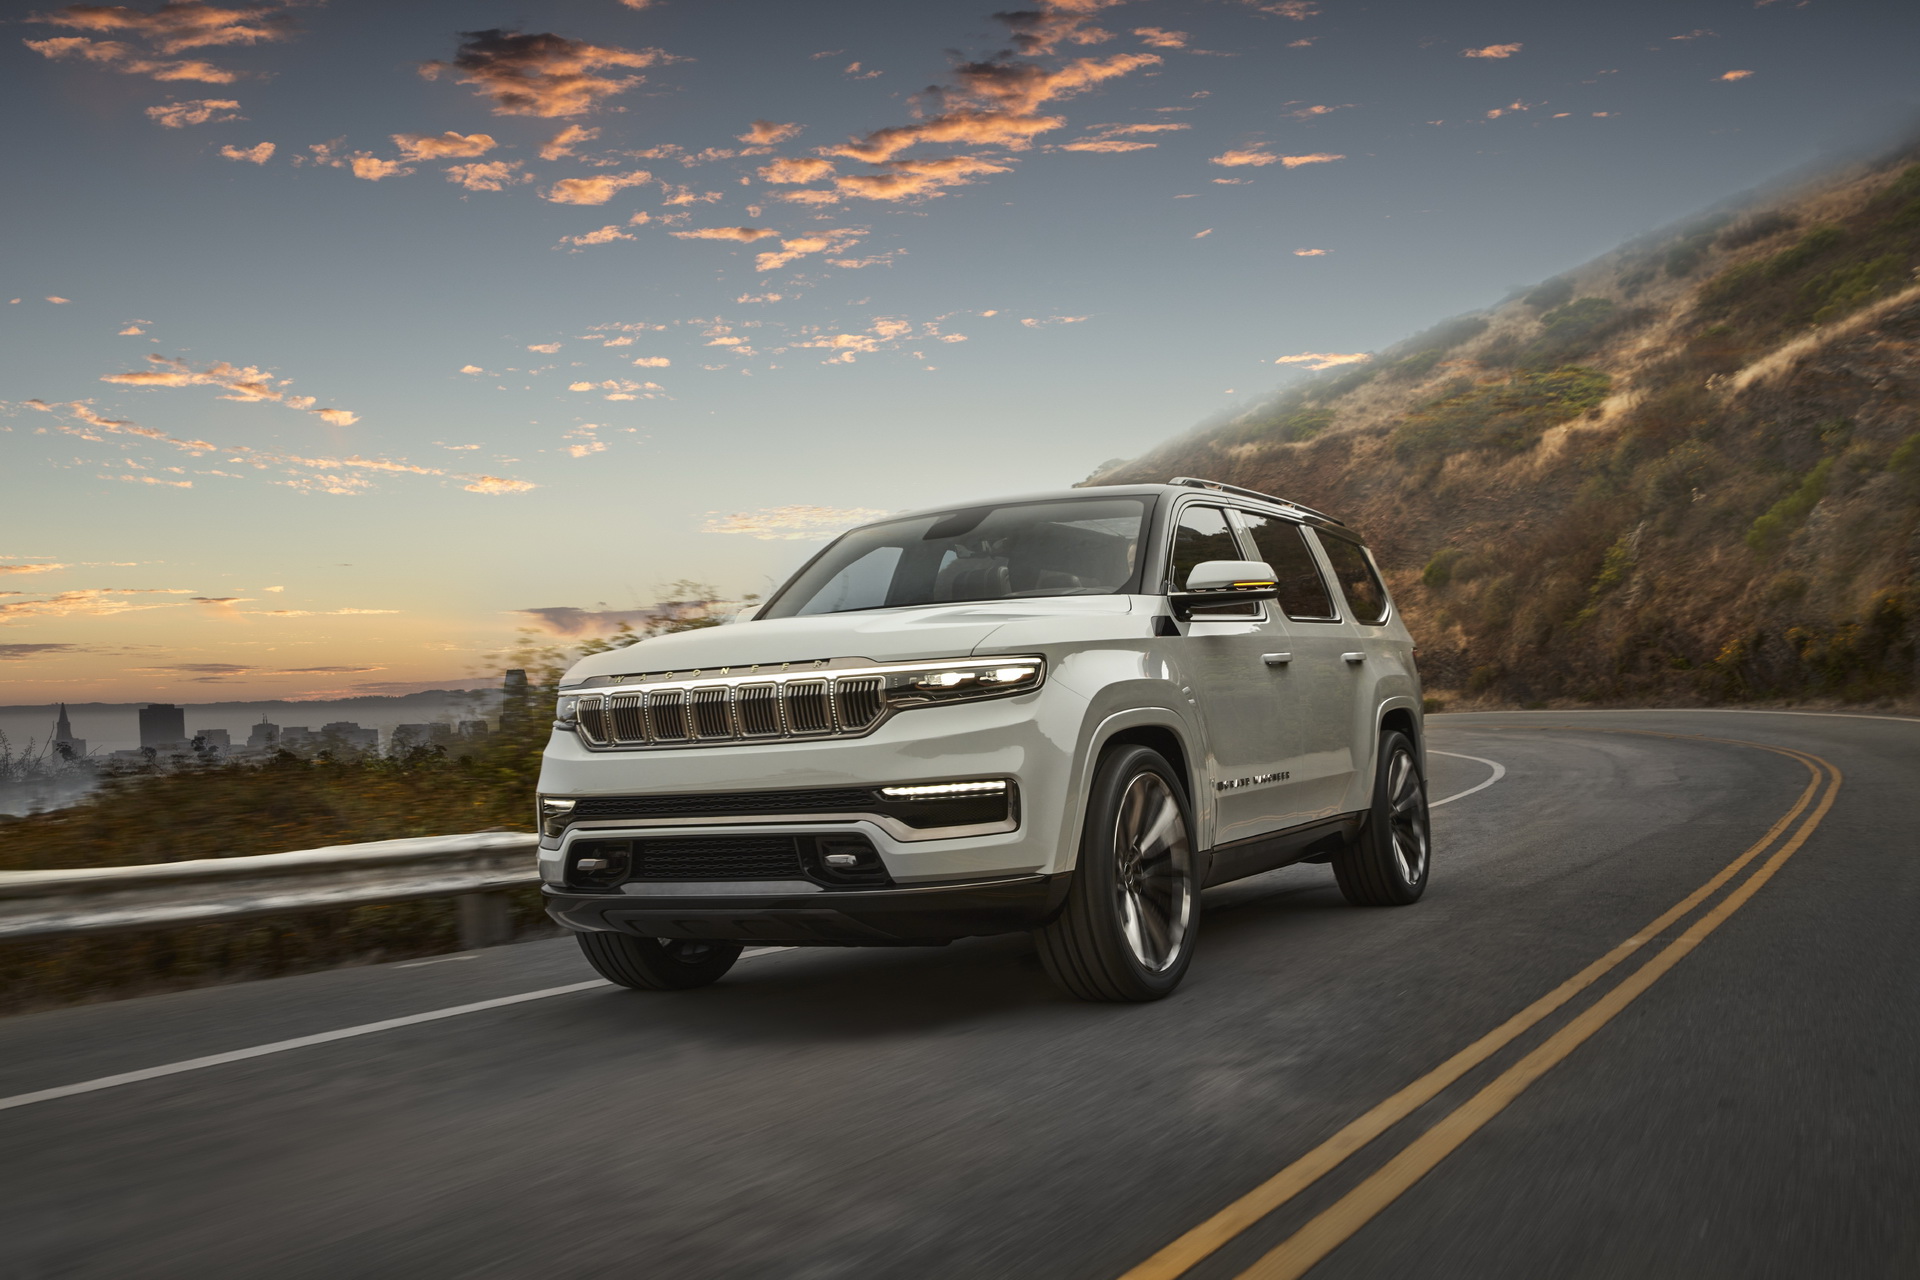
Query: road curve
pixel 1655 1017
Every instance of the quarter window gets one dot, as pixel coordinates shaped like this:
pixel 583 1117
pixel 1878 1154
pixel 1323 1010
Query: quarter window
pixel 1283 545
pixel 1365 596
pixel 1202 534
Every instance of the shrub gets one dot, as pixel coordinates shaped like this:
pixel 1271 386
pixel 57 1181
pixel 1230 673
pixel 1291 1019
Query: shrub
pixel 1843 289
pixel 1779 522
pixel 1439 570
pixel 1508 416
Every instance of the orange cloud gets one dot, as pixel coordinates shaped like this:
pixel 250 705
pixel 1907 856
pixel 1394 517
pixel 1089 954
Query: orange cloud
pixel 118 57
pixel 1160 38
pixel 1311 253
pixel 487 175
pixel 765 133
pixel 258 154
pixel 785 170
pixel 1023 86
pixel 800 246
pixel 244 383
pixel 91 602
pixel 179 25
pixel 1107 144
pixel 605 235
pixel 1492 51
pixel 1245 156
pixel 1052 23
pixel 371 167
pixel 542 74
pixel 492 484
pixel 1318 157
pixel 1318 360
pixel 1735 75
pixel 177 115
pixel 906 179
pixel 745 235
pixel 791 523
pixel 448 145
pixel 595 190
pixel 979 128
pixel 563 142
pixel 30 568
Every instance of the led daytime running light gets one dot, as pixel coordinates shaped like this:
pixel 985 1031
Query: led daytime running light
pixel 939 790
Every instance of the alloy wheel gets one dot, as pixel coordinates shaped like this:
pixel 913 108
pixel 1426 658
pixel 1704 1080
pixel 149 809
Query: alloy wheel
pixel 1407 817
pixel 1154 884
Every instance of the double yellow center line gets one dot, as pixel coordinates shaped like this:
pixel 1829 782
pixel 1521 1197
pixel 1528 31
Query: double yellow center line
pixel 1334 1225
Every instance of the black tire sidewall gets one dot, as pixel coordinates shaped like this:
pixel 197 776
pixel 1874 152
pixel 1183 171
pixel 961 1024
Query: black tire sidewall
pixel 1096 873
pixel 1379 834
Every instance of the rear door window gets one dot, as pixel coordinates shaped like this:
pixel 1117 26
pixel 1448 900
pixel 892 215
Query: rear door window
pixel 1366 597
pixel 1283 545
pixel 1201 534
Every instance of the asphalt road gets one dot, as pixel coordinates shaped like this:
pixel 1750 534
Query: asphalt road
pixel 1735 1092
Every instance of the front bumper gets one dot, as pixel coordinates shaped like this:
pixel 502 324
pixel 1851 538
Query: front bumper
pixel 800 915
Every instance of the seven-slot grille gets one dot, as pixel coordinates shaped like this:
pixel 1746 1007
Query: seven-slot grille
pixel 815 707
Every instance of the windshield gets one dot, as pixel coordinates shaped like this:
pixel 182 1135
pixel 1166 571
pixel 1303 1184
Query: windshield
pixel 1075 547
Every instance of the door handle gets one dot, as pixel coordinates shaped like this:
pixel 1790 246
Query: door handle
pixel 1276 659
pixel 1353 657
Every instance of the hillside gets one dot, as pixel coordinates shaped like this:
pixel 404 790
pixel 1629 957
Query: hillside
pixel 1688 471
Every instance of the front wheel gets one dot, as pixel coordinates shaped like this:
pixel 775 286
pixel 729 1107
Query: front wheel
pixel 657 964
pixel 1387 865
pixel 1127 930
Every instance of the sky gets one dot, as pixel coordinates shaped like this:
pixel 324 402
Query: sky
pixel 340 341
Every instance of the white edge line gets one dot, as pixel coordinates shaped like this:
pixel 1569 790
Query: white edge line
pixel 1499 772
pixel 302 1042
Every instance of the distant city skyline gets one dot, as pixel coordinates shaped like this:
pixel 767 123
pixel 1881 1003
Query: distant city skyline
pixel 338 342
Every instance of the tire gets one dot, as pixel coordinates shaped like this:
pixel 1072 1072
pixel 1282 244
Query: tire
pixel 657 964
pixel 1126 932
pixel 1389 863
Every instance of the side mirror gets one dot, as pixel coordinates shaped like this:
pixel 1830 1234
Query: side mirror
pixel 1225 582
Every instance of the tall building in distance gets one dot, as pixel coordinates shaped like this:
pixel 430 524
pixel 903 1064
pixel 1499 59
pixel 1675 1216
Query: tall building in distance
pixel 265 737
pixel 64 743
pixel 162 725
pixel 513 698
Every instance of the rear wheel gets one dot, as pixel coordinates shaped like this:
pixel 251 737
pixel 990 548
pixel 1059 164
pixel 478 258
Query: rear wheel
pixel 1127 930
pixel 1387 865
pixel 657 964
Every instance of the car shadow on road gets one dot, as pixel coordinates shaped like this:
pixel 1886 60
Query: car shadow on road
pixel 808 994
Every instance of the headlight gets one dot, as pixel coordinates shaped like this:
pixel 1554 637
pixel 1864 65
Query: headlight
pixel 564 711
pixel 552 816
pixel 964 681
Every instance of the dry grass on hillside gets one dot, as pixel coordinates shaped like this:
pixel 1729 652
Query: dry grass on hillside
pixel 1688 471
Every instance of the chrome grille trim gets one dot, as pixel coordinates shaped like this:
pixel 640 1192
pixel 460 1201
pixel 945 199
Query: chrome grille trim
pixel 759 710
pixel 809 707
pixel 743 706
pixel 710 712
pixel 667 715
pixel 627 715
pixel 857 703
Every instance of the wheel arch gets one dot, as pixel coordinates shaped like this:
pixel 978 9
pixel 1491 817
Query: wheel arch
pixel 1159 728
pixel 1400 715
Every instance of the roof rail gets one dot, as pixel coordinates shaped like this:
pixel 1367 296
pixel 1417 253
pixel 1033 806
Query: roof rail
pixel 1195 482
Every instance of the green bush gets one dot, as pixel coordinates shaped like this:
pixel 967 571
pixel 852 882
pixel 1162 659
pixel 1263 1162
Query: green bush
pixel 1508 416
pixel 1780 521
pixel 1843 289
pixel 1439 570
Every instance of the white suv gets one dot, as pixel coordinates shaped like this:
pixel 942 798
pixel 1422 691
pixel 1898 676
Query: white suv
pixel 1065 713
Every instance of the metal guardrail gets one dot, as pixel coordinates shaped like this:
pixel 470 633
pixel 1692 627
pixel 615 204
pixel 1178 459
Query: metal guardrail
pixel 476 870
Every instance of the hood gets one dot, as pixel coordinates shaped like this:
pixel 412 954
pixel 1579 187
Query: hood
pixel 921 633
